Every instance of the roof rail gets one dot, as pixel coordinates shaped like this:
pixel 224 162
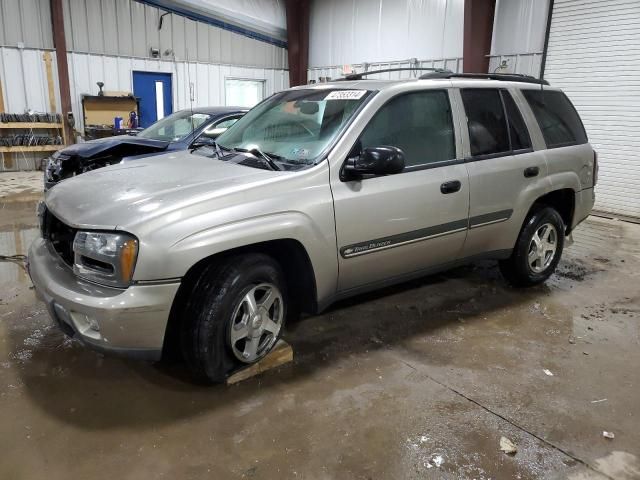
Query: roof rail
pixel 358 76
pixel 508 77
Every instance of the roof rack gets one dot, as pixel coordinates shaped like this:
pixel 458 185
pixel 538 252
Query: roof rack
pixel 508 77
pixel 358 76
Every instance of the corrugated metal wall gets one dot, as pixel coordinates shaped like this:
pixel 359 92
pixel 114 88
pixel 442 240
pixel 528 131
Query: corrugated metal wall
pixel 107 40
pixel 129 28
pixel 209 80
pixel 26 22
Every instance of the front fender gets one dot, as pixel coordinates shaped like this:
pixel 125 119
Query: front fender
pixel 318 241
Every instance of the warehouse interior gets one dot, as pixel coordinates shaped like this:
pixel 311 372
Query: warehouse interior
pixel 451 375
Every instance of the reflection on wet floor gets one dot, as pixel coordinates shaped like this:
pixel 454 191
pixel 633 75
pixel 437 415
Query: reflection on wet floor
pixel 18 228
pixel 415 381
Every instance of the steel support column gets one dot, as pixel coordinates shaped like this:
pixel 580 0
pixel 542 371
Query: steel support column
pixel 478 30
pixel 59 40
pixel 298 40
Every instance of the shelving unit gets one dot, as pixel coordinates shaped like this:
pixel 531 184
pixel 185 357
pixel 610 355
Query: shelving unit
pixel 30 125
pixel 33 148
pixel 8 160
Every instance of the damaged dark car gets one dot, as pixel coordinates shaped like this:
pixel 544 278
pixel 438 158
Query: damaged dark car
pixel 180 131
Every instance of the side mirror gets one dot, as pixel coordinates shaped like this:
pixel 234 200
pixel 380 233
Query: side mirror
pixel 215 132
pixel 383 160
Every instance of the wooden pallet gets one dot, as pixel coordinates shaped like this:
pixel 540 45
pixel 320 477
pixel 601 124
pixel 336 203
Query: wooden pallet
pixel 282 353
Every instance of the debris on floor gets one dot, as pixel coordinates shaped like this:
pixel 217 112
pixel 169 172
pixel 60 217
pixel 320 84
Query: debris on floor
pixel 507 446
pixel 436 461
pixel 609 435
pixel 548 372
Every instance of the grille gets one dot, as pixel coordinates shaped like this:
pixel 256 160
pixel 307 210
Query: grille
pixel 59 236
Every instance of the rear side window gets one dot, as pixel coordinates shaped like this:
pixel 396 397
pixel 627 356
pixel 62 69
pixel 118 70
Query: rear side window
pixel 486 121
pixel 557 117
pixel 518 132
pixel 494 122
pixel 419 123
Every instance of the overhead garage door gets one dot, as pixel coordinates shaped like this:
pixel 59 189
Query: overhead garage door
pixel 594 55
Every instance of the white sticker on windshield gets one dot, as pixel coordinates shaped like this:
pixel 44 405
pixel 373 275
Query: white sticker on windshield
pixel 345 95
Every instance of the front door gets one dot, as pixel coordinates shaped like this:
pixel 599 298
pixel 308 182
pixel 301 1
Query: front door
pixel 392 226
pixel 154 91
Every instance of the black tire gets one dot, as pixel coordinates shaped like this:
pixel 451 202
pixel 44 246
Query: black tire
pixel 205 335
pixel 516 269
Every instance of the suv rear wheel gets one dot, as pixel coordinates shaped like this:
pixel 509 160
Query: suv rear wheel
pixel 538 249
pixel 234 315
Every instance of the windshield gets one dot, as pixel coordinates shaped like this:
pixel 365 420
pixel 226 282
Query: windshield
pixel 175 127
pixel 294 127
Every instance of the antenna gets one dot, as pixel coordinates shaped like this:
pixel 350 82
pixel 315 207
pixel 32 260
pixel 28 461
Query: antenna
pixel 190 94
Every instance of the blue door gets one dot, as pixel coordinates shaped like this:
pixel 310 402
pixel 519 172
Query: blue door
pixel 154 91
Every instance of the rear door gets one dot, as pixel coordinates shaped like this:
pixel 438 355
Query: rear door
pixel 506 175
pixel 392 226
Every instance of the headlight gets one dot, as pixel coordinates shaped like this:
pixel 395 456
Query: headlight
pixel 106 258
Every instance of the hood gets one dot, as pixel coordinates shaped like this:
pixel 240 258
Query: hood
pixel 125 195
pixel 84 157
pixel 124 143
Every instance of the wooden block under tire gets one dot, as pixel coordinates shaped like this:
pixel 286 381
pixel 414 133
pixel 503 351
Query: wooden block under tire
pixel 282 353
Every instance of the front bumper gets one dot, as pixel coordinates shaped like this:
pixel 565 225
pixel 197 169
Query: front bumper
pixel 129 322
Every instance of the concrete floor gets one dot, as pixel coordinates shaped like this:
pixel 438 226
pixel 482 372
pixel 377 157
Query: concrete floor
pixel 417 381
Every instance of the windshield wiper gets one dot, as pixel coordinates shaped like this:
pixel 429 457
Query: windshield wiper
pixel 217 148
pixel 268 159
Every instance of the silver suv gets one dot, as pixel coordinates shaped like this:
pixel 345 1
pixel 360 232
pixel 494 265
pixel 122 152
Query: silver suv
pixel 318 193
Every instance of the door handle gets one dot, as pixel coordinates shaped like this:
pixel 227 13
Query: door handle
pixel 450 187
pixel 531 172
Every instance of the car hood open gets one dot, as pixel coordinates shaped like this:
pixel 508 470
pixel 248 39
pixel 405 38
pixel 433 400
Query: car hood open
pixel 125 195
pixel 103 146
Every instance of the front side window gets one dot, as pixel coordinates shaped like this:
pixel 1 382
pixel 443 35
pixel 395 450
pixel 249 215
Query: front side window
pixel 558 119
pixel 419 123
pixel 486 121
pixel 175 127
pixel 296 126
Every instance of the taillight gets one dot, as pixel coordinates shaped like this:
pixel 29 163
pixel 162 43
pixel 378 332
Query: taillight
pixel 595 168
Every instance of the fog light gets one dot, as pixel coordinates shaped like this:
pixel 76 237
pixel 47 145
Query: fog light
pixel 93 325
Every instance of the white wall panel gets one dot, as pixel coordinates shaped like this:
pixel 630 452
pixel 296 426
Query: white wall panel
pixel 594 55
pixel 374 31
pixel 523 63
pixel 519 26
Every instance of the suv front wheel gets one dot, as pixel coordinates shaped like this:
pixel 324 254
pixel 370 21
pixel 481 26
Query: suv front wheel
pixel 234 315
pixel 538 249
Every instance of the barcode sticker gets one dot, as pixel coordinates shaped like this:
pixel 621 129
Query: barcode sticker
pixel 345 95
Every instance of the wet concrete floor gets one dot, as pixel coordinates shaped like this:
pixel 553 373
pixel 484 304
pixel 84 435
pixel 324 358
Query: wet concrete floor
pixel 416 381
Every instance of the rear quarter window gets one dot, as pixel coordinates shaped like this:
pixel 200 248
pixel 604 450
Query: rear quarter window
pixel 557 117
